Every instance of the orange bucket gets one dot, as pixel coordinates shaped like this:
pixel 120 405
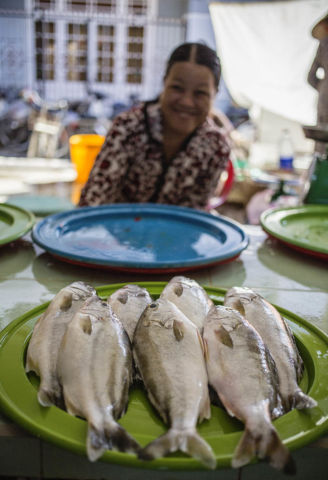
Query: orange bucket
pixel 84 150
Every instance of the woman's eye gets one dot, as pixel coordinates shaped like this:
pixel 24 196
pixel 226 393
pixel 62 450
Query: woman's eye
pixel 200 93
pixel 177 88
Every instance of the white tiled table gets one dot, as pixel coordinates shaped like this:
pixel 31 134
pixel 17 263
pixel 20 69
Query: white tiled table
pixel 29 277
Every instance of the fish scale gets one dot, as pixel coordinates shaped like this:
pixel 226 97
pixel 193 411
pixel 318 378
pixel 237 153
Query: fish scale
pixel 47 335
pixel 168 352
pixel 280 340
pixel 95 371
pixel 242 372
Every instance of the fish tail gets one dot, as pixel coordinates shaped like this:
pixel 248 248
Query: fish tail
pixel 111 437
pixel 188 441
pixel 267 445
pixel 301 400
pixel 48 396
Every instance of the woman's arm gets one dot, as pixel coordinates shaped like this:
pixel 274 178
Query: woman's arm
pixel 105 179
pixel 312 76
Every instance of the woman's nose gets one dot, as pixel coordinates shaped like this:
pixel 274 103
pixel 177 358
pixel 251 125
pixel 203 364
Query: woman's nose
pixel 187 99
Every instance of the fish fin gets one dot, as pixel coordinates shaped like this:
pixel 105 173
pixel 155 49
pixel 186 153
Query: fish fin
pixel 96 443
pixel 110 437
pixel 30 365
pixel 206 354
pixel 178 289
pixel 119 439
pixel 123 298
pixel 223 336
pixel 301 400
pixel 201 342
pixel 178 329
pixel 245 451
pixel 278 409
pixel 226 405
pixel 205 414
pixel 50 396
pixel 66 301
pixel 86 324
pixel 234 302
pixel 266 444
pixel 271 448
pixel 188 441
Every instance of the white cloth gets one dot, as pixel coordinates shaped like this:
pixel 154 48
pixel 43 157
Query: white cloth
pixel 266 50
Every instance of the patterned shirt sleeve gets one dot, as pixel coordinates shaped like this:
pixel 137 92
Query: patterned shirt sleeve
pixel 103 185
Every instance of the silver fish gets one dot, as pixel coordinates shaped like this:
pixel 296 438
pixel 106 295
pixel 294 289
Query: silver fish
pixel 242 372
pixel 47 335
pixel 128 303
pixel 95 371
pixel 168 351
pixel 277 335
pixel 190 298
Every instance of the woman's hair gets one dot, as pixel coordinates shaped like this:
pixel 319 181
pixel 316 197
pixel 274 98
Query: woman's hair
pixel 197 53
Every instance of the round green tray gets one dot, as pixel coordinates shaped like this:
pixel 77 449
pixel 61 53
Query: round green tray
pixel 14 222
pixel 304 227
pixel 18 398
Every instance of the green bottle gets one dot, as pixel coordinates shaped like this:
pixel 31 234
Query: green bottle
pixel 318 191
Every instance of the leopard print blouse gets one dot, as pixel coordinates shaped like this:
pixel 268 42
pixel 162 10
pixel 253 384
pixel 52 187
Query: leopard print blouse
pixel 131 166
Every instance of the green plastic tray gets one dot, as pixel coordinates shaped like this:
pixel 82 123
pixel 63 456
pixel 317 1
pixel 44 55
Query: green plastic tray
pixel 304 227
pixel 14 222
pixel 18 398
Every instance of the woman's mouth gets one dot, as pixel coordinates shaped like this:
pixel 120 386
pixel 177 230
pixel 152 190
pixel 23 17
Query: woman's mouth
pixel 183 114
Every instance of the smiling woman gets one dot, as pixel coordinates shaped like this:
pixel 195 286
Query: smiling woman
pixel 168 150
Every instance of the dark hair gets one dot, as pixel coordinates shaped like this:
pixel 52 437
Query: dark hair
pixel 204 55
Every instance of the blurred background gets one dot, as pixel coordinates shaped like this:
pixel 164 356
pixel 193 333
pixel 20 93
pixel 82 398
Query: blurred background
pixel 68 67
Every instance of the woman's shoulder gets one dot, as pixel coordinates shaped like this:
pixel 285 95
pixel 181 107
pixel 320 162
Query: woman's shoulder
pixel 215 133
pixel 132 117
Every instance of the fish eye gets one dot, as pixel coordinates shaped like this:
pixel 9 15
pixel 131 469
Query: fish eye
pixel 153 305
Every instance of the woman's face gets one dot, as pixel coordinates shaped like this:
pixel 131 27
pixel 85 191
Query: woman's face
pixel 189 90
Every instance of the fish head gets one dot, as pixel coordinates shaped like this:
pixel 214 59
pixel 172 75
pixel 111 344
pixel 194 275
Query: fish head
pixel 160 313
pixel 97 309
pixel 131 291
pixel 239 298
pixel 81 290
pixel 227 317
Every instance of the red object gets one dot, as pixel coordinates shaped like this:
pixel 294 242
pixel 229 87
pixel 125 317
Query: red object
pixel 312 253
pixel 217 201
pixel 144 270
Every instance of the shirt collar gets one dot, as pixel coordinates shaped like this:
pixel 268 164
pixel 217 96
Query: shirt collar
pixel 154 121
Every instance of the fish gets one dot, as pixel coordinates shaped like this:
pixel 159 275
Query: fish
pixel 128 303
pixel 190 298
pixel 47 335
pixel 242 372
pixel 168 352
pixel 95 371
pixel 280 340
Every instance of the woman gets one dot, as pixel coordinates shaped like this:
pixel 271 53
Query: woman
pixel 168 150
pixel 320 32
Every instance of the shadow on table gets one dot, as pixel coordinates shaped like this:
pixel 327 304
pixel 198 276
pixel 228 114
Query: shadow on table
pixel 55 274
pixel 295 264
pixel 15 257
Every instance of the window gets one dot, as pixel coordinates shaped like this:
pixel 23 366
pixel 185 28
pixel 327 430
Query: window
pixel 77 52
pixel 107 6
pixel 105 53
pixel 137 7
pixel 135 54
pixel 45 50
pixel 80 5
pixel 45 4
